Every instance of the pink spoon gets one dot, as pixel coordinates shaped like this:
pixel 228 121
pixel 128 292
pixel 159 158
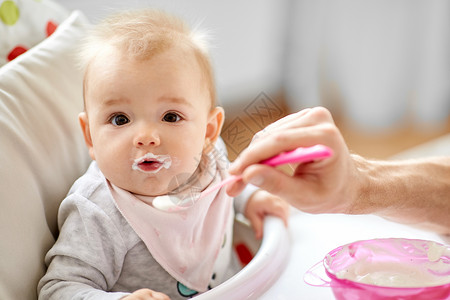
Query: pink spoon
pixel 299 155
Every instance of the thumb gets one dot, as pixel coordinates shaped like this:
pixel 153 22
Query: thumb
pixel 272 180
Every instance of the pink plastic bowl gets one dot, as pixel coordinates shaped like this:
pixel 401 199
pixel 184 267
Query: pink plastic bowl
pixel 414 258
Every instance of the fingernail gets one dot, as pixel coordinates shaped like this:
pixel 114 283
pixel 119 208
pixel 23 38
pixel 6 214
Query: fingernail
pixel 257 180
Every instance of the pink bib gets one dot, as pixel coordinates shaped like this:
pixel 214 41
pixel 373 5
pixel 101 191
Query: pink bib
pixel 185 242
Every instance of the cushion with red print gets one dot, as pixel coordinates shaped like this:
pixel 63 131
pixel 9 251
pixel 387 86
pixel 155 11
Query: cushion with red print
pixel 25 23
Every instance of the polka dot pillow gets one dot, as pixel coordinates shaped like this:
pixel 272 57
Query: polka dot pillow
pixel 25 23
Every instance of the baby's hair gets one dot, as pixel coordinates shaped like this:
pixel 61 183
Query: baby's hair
pixel 143 33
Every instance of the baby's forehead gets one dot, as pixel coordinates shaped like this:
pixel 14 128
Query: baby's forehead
pixel 110 57
pixel 111 63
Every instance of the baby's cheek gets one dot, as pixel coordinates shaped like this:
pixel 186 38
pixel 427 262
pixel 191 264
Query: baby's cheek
pixel 191 160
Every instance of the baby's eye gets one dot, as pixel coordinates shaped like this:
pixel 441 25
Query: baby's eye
pixel 119 120
pixel 171 117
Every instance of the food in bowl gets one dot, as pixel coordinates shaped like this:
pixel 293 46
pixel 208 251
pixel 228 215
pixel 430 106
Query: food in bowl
pixel 392 268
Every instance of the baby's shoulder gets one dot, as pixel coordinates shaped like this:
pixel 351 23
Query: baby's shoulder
pixel 89 201
pixel 91 192
pixel 89 183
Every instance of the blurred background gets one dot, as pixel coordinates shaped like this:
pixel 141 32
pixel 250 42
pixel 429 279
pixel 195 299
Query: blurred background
pixel 381 66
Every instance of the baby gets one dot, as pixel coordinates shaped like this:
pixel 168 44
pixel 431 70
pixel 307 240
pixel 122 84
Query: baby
pixel 133 226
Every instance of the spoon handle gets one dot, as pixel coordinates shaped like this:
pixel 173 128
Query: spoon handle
pixel 301 154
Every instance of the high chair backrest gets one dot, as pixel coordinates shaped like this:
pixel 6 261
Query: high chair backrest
pixel 41 152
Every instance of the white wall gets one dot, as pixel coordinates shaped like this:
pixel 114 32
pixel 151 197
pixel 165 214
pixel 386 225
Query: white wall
pixel 382 61
pixel 247 45
pixel 387 62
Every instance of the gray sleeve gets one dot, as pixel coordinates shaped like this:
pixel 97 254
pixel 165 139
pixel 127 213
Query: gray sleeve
pixel 87 258
pixel 240 201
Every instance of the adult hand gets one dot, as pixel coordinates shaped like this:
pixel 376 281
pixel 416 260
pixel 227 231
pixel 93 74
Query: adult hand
pixel 328 186
pixel 412 191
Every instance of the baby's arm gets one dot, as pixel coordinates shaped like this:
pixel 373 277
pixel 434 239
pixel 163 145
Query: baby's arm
pixel 86 260
pixel 262 203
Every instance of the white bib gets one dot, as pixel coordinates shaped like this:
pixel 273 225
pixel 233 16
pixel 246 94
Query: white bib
pixel 184 241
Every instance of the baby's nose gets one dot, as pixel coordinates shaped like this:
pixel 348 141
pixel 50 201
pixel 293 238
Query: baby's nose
pixel 147 137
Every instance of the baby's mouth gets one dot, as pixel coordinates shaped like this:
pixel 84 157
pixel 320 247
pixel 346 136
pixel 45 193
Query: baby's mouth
pixel 151 163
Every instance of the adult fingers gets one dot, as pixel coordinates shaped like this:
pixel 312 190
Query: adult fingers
pixel 303 118
pixel 235 188
pixel 286 140
pixel 287 120
pixel 284 135
pixel 272 180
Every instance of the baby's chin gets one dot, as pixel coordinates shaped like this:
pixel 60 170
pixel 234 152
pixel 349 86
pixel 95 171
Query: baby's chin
pixel 156 190
pixel 157 185
pixel 149 192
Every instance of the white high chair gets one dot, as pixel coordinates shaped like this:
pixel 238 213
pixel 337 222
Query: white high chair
pixel 41 153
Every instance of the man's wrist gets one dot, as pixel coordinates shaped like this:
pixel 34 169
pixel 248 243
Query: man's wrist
pixel 367 186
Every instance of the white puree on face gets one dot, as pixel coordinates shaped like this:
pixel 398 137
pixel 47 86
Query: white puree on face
pixel 164 159
pixel 401 272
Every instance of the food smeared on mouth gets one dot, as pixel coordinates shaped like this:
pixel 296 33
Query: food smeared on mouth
pixel 151 163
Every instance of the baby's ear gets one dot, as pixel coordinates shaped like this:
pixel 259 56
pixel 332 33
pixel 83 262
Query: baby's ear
pixel 84 123
pixel 215 123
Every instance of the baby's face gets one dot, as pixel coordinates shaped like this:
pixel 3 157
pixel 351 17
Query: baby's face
pixel 147 120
